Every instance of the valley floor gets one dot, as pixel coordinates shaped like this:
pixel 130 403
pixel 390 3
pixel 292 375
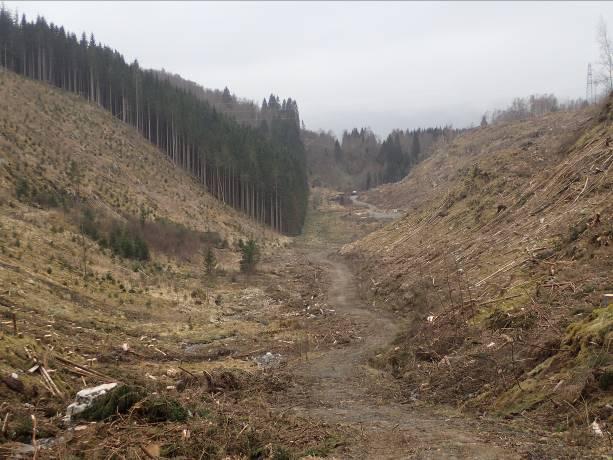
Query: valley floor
pixel 318 392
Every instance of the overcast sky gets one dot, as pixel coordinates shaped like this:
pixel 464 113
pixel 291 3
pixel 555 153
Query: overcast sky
pixel 383 65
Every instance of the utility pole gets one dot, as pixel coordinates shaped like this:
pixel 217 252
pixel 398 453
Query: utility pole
pixel 589 87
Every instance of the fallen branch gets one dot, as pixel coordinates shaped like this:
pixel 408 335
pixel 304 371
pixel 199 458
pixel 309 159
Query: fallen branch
pixel 503 269
pixel 187 372
pixel 55 391
pixel 83 368
pixel 81 372
pixel 45 384
pixel 249 353
pixel 6 419
pixel 34 436
pixel 582 190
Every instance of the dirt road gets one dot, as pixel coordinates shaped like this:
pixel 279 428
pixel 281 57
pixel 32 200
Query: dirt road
pixel 343 389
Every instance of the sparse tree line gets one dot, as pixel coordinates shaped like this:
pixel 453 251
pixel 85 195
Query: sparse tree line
pixel 535 105
pixel 259 170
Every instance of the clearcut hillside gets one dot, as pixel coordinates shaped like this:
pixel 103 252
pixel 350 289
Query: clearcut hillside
pixel 501 264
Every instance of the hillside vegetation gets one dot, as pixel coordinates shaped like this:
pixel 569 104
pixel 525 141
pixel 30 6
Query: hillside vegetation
pixel 501 264
pixel 45 130
pixel 116 266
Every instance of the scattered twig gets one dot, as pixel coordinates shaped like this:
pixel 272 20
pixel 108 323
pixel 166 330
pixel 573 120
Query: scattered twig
pixel 499 299
pixel 160 351
pixel 504 268
pixel 34 436
pixel 6 419
pixel 241 431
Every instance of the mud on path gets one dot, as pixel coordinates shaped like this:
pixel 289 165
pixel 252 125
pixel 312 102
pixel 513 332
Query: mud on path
pixel 376 213
pixel 338 386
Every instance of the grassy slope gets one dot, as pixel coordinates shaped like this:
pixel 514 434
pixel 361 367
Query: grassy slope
pixel 505 306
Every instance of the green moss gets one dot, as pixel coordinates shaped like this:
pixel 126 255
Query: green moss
pixel 161 409
pixel 514 304
pixel 516 399
pixel 591 332
pixel 605 381
pixel 118 401
pixel 513 319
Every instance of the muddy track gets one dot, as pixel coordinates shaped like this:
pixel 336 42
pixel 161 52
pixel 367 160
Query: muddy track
pixel 342 389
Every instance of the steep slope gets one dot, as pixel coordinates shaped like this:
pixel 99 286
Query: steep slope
pixel 501 264
pixel 44 129
pixel 535 138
